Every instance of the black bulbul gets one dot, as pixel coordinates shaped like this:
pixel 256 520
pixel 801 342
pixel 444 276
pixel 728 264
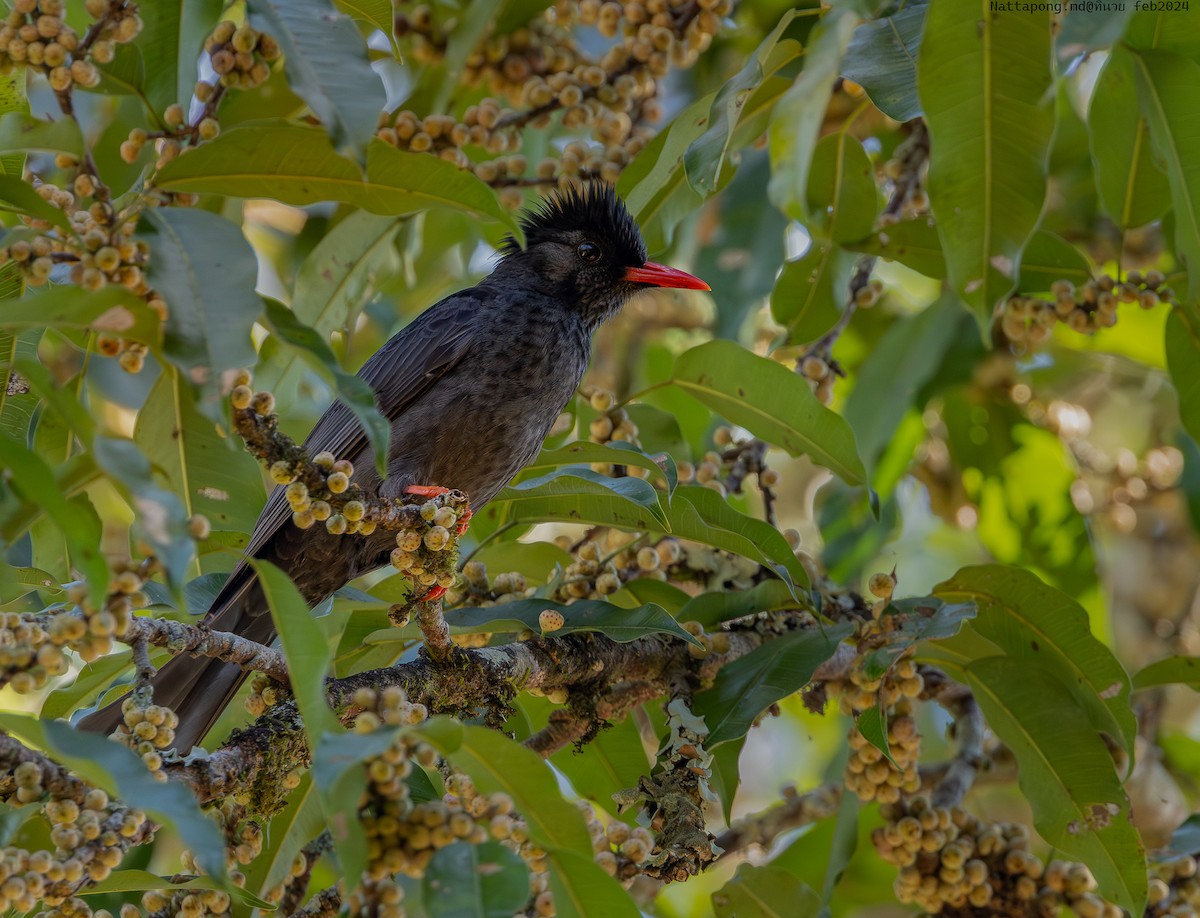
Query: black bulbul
pixel 472 386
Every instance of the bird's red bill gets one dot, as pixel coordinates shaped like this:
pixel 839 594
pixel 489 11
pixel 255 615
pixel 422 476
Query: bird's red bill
pixel 663 276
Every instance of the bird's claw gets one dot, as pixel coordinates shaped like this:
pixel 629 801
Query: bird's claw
pixel 464 523
pixel 434 594
pixel 427 491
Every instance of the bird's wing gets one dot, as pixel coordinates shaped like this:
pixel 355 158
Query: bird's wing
pixel 400 372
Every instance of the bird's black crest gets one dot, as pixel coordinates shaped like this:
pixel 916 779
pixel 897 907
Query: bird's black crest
pixel 593 208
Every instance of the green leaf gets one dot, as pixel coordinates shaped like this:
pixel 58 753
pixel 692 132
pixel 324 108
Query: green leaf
pixel 25 580
pixel 985 84
pixel 764 892
pixel 121 772
pixel 1065 771
pixel 339 276
pixel 914 243
pixel 93 678
pixel 31 478
pixel 1049 258
pixel 616 623
pixel 325 58
pixel 496 763
pixel 140 880
pixel 771 402
pixel 21 132
pixel 872 724
pixel 474 881
pixel 887 385
pixel 353 391
pixel 797 117
pixel 705 156
pixel 222 483
pixel 160 516
pixel 1170 671
pixel 582 890
pixel 113 309
pixel 716 606
pixel 616 452
pixel 614 760
pixel 702 515
pixel 1167 86
pixel 17 401
pixel 305 647
pixel 751 684
pixel 375 12
pixel 206 271
pixel 582 496
pixel 171 41
pixel 1182 344
pixel 882 59
pixel 13 99
pixel 1022 617
pixel 341 783
pixel 1133 189
pixel 925 618
pixel 841 187
pixel 811 291
pixel 20 194
pixel 297 165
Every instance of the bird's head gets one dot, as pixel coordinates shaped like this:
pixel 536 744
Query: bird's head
pixel 583 247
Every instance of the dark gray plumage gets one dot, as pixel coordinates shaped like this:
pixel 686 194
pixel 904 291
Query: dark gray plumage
pixel 471 386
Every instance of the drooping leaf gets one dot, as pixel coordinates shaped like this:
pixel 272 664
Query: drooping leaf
pixel 474 881
pixel 1174 670
pixel 113 310
pixel 811 291
pixel 583 890
pixel 1167 86
pixel 582 496
pixel 118 770
pixel 161 519
pixel 496 763
pixel 133 880
pixel 210 478
pixel 841 187
pixel 20 195
pixel 1182 343
pixel 325 57
pixel 31 478
pixel 1066 773
pixel 341 274
pixel 21 132
pixel 1048 258
pixel 716 606
pixel 92 678
pixel 749 685
pixel 1021 617
pixel 1133 189
pixel 298 165
pixel 305 647
pixel 706 154
pixel 984 86
pixel 353 391
pixel 17 401
pixel 765 892
pixel 887 385
pixel 206 272
pixel 704 516
pixel 771 402
pixel 796 119
pixel 171 41
pixel 616 452
pixel 882 59
pixel 914 243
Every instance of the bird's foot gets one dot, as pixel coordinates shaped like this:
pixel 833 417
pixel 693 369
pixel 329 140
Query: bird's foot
pixel 434 594
pixel 426 491
pixel 464 523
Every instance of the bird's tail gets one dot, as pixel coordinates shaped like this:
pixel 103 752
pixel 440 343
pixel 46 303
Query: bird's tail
pixel 197 688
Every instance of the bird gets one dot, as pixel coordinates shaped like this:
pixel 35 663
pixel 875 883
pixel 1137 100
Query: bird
pixel 471 387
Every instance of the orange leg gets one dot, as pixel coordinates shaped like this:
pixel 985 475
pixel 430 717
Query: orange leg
pixel 426 490
pixel 434 594
pixel 464 522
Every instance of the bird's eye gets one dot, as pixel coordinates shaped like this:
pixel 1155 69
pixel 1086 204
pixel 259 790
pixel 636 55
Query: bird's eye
pixel 589 252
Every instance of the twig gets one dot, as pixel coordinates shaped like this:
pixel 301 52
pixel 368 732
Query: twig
pixel 181 637
pixel 433 625
pixel 764 827
pixel 325 904
pixel 970 731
